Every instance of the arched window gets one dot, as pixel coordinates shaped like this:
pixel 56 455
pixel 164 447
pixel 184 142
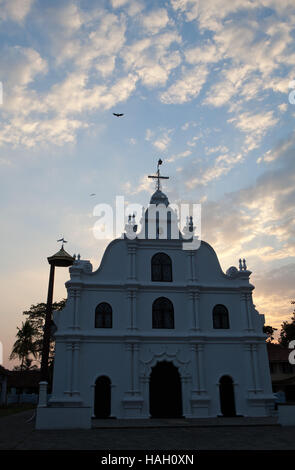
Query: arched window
pixel 103 315
pixel 163 313
pixel 220 317
pixel 161 268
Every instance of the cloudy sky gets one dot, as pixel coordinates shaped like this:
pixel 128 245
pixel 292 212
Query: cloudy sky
pixel 204 85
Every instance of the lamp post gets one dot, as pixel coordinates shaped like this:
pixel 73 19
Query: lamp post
pixel 63 259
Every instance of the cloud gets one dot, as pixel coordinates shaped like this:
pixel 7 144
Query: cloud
pixel 162 142
pixel 275 290
pixel 160 139
pixel 255 126
pixel 131 7
pixel 243 75
pixel 55 113
pixel 279 280
pixel 188 124
pixel 206 54
pixel 91 41
pixel 67 16
pixel 19 66
pixel 210 14
pixel 106 62
pixel 174 157
pixel 257 222
pixel 193 141
pixel 219 148
pixel 15 10
pixel 258 123
pixel 248 220
pixel 235 54
pixel 227 87
pixel 283 107
pixel 119 3
pixel 283 148
pixel 65 100
pixel 222 165
pixel 156 20
pixel 151 59
pixel 145 184
pixel 105 41
pixel 21 132
pixel 120 91
pixel 149 134
pixel 5 162
pixel 187 87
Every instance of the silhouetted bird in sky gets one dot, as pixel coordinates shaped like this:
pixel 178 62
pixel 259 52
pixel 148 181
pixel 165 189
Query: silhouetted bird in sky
pixel 118 115
pixel 93 194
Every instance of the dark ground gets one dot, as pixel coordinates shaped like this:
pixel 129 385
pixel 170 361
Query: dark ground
pixel 16 433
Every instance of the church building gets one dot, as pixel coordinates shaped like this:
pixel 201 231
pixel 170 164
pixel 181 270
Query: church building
pixel 157 331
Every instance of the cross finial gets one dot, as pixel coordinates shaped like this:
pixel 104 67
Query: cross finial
pixel 63 241
pixel 158 177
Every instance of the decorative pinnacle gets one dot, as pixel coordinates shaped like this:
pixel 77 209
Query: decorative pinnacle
pixel 242 264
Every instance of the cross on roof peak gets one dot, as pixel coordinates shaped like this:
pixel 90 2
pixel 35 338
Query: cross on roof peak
pixel 63 241
pixel 158 176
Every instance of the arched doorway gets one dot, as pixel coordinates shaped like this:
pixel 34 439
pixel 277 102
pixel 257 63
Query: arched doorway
pixel 227 396
pixel 165 391
pixel 102 398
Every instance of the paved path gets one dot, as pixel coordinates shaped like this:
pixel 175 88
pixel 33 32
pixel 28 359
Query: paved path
pixel 17 433
pixel 182 422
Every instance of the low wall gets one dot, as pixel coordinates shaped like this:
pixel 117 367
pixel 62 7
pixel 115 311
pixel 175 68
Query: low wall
pixel 286 414
pixel 56 417
pixel 14 398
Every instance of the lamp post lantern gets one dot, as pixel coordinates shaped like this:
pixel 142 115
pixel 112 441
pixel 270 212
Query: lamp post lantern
pixel 63 259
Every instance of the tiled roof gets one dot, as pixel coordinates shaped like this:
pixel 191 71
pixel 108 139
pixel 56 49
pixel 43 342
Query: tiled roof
pixel 277 352
pixel 24 378
pixel 3 371
pixel 287 381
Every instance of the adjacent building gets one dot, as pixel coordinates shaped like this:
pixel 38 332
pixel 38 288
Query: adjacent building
pixel 3 385
pixel 281 371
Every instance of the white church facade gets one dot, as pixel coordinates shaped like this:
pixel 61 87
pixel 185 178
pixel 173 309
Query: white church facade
pixel 157 331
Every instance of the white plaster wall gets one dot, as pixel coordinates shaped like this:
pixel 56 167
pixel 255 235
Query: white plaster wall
pixel 105 351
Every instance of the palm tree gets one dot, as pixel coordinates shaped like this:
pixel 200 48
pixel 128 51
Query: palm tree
pixel 27 365
pixel 24 345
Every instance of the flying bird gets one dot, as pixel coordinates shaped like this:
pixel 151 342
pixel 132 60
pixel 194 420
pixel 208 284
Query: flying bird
pixel 93 194
pixel 118 114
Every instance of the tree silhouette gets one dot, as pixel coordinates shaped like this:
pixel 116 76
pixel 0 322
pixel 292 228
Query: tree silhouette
pixel 24 345
pixel 28 365
pixel 287 333
pixel 36 315
pixel 269 331
pixel 30 336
